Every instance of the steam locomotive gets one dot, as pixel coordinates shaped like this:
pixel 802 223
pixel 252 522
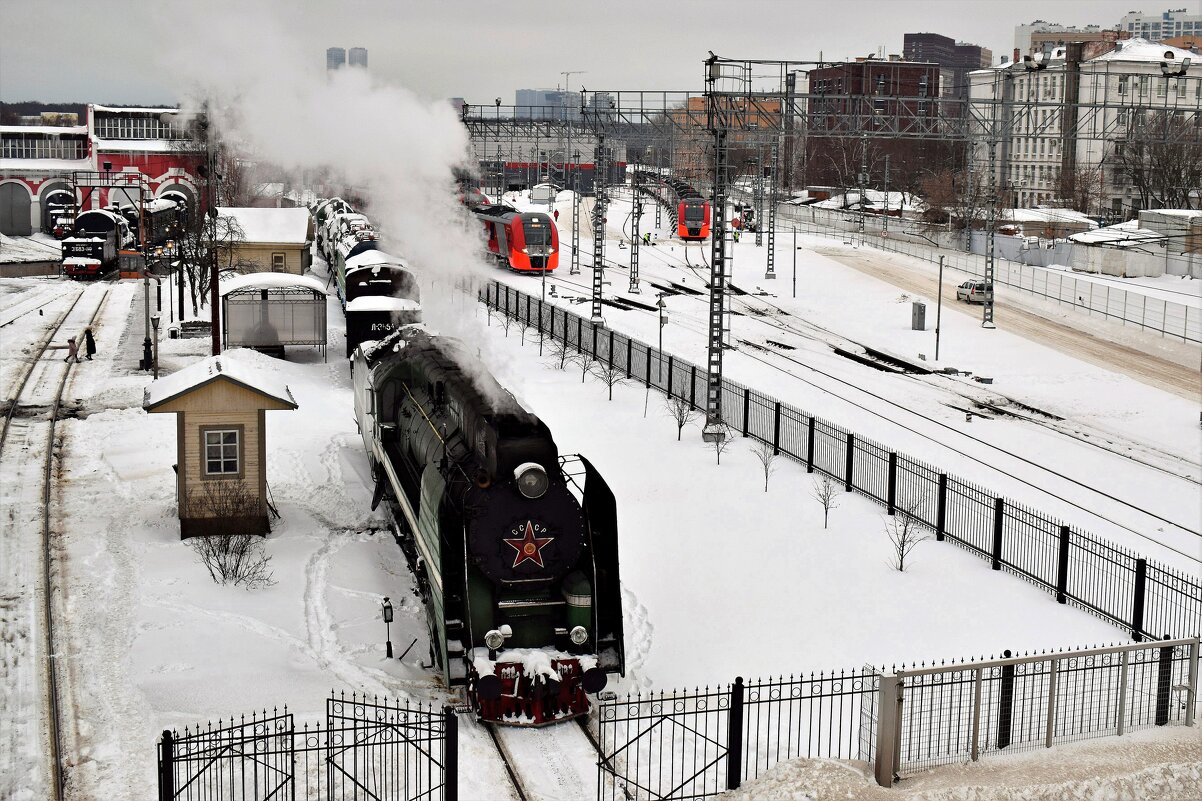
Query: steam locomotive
pixel 514 547
pixel 99 235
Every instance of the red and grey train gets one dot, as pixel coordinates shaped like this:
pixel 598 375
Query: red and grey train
pixel 524 241
pixel 692 210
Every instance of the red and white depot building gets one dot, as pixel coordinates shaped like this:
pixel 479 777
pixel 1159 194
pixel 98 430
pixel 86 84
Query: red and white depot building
pixel 38 160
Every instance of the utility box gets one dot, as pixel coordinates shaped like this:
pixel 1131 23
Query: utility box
pixel 918 316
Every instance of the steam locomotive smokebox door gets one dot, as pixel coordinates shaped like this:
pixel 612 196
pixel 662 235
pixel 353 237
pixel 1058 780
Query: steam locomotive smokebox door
pixel 517 540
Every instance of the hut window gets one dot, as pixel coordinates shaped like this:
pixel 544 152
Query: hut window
pixel 221 452
pixel 278 262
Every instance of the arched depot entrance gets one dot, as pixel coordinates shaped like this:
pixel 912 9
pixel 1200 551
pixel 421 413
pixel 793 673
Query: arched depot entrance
pixel 15 203
pixel 55 197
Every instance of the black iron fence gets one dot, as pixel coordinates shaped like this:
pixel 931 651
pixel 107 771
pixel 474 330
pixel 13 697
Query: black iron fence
pixel 367 748
pixel 699 744
pixel 955 713
pixel 1147 599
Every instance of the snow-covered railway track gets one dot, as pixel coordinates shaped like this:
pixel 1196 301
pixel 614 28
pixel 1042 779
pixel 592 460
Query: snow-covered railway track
pixel 551 763
pixel 31 757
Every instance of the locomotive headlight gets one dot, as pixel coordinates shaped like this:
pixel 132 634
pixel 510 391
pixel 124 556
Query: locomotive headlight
pixel 532 480
pixel 579 635
pixel 494 640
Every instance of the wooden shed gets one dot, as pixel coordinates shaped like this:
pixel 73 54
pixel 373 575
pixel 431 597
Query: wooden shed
pixel 220 405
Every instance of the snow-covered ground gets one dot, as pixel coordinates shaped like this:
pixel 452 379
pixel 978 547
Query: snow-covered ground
pixel 39 247
pixel 1173 288
pixel 720 577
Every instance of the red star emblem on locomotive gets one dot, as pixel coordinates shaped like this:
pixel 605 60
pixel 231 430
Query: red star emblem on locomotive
pixel 529 547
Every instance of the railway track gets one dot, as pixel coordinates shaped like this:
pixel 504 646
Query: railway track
pixel 31 703
pixel 548 763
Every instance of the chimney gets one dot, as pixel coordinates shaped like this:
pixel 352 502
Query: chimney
pixel 1016 55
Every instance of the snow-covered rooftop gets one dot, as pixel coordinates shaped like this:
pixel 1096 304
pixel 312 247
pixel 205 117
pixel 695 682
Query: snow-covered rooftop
pixel 134 109
pixel 1142 50
pixel 141 145
pixel 370 258
pixel 275 226
pixel 1049 216
pixel 78 130
pixel 271 281
pixel 45 165
pixel 371 303
pixel 209 370
pixel 1121 235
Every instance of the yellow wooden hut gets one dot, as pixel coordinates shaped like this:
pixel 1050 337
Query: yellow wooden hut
pixel 221 473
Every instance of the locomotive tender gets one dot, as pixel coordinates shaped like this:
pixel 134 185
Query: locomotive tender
pixel 514 547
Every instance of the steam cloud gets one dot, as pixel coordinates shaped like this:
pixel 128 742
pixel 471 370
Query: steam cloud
pixel 271 97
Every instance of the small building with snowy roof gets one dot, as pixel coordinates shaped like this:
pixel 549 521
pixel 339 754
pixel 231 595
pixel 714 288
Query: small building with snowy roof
pixel 269 240
pixel 267 311
pixel 220 405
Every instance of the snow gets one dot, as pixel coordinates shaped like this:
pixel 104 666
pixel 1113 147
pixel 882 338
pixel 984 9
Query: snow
pixel 370 258
pixel 372 303
pixel 44 165
pixel 234 365
pixel 713 566
pixel 102 146
pixel 80 260
pixel 271 226
pixel 270 281
pixel 38 247
pixel 1048 216
pixel 1140 49
pixel 1120 235
pixel 44 129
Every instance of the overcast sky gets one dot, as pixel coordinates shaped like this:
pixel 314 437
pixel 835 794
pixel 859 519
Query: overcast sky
pixel 116 50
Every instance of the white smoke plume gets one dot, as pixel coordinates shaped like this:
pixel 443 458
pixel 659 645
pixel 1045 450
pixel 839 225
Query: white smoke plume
pixel 272 98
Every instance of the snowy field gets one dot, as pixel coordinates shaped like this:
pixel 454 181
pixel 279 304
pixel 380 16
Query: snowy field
pixel 748 568
pixel 1173 288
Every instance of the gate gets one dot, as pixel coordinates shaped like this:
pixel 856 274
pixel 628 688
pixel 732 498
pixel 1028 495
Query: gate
pixel 381 751
pixel 369 749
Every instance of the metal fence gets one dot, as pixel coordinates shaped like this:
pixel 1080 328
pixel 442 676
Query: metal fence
pixel 1147 599
pixel 1177 320
pixel 698 744
pixel 955 713
pixel 367 748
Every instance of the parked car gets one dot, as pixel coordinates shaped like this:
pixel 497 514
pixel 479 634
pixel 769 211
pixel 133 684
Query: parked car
pixel 974 292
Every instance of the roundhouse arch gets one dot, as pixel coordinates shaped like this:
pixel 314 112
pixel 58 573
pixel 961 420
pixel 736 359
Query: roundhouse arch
pixel 15 208
pixel 44 196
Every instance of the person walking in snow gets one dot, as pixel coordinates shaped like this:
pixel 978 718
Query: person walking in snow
pixel 89 343
pixel 72 350
pixel 647 238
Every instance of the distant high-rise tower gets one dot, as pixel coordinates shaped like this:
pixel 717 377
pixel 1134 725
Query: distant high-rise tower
pixel 336 58
pixel 358 57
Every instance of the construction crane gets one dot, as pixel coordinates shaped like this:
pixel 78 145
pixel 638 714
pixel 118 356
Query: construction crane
pixel 567 77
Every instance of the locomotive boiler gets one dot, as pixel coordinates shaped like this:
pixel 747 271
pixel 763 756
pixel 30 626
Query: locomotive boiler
pixel 513 546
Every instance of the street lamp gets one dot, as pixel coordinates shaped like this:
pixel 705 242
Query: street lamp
pixel 386 608
pixel 154 322
pixel 501 162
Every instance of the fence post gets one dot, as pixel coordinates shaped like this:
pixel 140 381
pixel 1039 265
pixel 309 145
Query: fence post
pixel 746 410
pixel 851 450
pixel 941 509
pixel 734 736
pixel 450 768
pixel 629 354
pixel 999 511
pixel 1062 567
pixel 976 714
pixel 609 354
pixel 167 767
pixel 1164 684
pixel 810 447
pixel 891 495
pixel 1005 707
pixel 579 334
pixel 670 359
pixel 1194 647
pixel 593 352
pixel 888 725
pixel 1053 667
pixel 1137 605
pixel 648 350
pixel 776 429
pixel 693 385
pixel 1124 670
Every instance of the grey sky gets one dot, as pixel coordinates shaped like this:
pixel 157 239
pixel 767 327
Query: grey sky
pixel 114 51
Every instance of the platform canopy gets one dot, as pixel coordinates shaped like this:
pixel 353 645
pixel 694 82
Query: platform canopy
pixel 271 281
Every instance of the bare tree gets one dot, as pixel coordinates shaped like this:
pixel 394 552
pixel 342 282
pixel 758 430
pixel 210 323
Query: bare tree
pixel 506 322
pixel 560 353
pixel 1162 158
pixel 610 375
pixel 680 410
pixel 721 442
pixel 766 453
pixel 525 325
pixel 234 556
pixel 237 559
pixel 905 532
pixel 1082 188
pixel 584 360
pixel 827 494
